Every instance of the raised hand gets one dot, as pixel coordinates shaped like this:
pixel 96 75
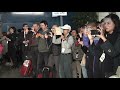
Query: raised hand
pixel 51 35
pixel 46 36
pixel 80 42
pixel 62 37
pixel 102 36
pixel 91 37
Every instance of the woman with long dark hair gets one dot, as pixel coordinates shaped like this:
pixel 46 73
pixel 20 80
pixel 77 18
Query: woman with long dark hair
pixel 108 50
pixel 12 45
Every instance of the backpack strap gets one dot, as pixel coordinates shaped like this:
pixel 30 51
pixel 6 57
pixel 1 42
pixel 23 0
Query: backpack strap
pixel 68 37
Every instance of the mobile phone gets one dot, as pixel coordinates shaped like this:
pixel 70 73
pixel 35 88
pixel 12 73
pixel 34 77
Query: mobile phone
pixel 95 32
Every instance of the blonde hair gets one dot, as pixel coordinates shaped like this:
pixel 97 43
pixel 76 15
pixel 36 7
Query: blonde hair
pixel 93 24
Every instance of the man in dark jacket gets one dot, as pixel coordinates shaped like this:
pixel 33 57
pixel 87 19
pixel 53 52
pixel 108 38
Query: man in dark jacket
pixel 44 42
pixel 34 47
pixel 25 37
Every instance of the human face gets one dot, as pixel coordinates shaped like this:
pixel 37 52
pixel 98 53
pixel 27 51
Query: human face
pixel 53 28
pixel 65 31
pixel 73 33
pixel 43 26
pixel 11 30
pixel 36 27
pixel 25 27
pixel 109 25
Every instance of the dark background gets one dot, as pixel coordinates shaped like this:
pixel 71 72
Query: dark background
pixel 7 19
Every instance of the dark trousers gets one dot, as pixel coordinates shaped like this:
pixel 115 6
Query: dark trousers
pixel 93 67
pixel 65 66
pixel 42 60
pixel 19 57
pixel 34 54
pixel 26 52
pixel 54 60
pixel 12 55
pixel 89 65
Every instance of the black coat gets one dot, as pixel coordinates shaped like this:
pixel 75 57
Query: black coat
pixel 28 37
pixel 12 44
pixel 93 64
pixel 112 56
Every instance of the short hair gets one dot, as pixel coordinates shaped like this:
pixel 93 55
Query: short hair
pixel 14 29
pixel 55 25
pixel 37 23
pixel 93 24
pixel 82 26
pixel 4 33
pixel 45 22
pixel 25 24
pixel 74 30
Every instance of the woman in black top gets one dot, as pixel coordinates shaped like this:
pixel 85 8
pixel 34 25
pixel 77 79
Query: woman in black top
pixel 108 51
pixel 12 48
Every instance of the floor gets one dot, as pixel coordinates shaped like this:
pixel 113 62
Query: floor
pixel 7 72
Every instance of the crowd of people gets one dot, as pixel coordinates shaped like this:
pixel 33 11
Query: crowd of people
pixel 92 51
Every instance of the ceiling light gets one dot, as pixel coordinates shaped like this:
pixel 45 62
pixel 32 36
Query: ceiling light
pixel 28 13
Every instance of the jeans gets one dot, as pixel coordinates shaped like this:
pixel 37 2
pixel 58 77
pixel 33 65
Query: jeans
pixel 42 60
pixel 84 71
pixel 83 66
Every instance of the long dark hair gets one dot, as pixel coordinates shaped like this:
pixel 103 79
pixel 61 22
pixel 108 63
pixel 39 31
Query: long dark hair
pixel 113 37
pixel 14 29
pixel 115 20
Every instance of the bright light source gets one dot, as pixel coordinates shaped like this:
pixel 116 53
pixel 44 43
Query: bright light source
pixel 28 13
